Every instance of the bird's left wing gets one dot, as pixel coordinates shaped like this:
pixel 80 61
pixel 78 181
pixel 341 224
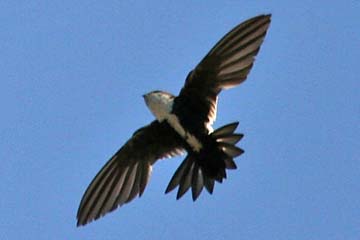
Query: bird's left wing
pixel 126 174
pixel 226 65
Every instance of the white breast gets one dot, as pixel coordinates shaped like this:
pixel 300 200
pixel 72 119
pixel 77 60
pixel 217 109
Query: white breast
pixel 160 104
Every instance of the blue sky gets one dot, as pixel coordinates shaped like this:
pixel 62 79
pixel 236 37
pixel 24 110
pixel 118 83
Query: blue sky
pixel 72 76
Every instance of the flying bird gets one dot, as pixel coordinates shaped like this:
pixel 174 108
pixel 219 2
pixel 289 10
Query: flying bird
pixel 183 124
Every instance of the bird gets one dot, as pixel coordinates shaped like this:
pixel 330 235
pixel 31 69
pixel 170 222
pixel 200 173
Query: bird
pixel 182 125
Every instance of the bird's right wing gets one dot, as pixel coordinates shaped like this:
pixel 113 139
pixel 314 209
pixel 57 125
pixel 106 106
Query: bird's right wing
pixel 126 174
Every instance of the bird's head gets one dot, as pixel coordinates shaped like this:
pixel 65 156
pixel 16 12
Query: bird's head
pixel 160 103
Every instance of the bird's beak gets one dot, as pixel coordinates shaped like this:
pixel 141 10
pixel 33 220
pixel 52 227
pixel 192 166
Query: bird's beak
pixel 145 96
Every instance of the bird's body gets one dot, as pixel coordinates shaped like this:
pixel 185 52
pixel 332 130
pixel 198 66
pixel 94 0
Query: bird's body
pixel 161 104
pixel 183 124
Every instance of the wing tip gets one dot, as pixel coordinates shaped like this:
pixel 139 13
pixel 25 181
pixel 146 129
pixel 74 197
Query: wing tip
pixel 102 198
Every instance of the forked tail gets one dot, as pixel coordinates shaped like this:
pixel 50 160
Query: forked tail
pixel 203 168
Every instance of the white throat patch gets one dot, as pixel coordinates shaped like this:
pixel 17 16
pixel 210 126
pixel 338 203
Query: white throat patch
pixel 160 104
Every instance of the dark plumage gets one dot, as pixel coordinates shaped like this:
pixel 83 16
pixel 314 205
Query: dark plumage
pixel 183 124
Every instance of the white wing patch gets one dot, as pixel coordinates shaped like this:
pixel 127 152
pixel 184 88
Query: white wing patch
pixel 189 138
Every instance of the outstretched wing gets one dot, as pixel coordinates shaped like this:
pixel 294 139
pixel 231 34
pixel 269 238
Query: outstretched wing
pixel 226 65
pixel 126 174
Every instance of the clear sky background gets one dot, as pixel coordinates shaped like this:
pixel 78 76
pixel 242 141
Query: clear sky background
pixel 71 78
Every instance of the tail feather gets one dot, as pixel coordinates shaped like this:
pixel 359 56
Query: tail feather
pixel 197 183
pixel 178 175
pixel 185 182
pixel 230 139
pixel 229 163
pixel 225 130
pixel 231 150
pixel 199 170
pixel 209 184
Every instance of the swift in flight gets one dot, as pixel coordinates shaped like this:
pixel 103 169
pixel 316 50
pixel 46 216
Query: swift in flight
pixel 183 124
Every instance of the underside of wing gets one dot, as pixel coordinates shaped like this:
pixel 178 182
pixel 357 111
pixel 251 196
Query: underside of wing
pixel 233 56
pixel 226 65
pixel 127 173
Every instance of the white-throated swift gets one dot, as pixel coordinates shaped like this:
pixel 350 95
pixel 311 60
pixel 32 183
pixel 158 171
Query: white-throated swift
pixel 183 124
